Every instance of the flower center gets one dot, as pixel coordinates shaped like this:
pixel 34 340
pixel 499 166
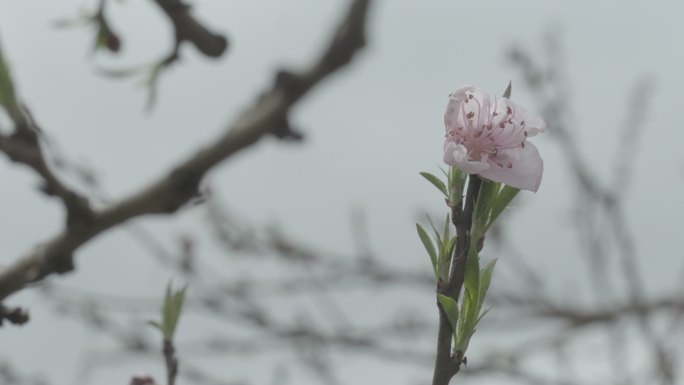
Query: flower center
pixel 483 131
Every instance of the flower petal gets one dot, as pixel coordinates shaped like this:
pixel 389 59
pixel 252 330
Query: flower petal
pixel 463 101
pixel 525 171
pixel 533 124
pixel 457 155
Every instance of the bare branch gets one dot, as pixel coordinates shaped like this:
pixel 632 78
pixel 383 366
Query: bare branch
pixel 26 150
pixel 16 315
pixel 267 116
pixel 187 28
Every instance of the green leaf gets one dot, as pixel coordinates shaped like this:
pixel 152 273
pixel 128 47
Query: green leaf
pixel 483 207
pixel 472 270
pixel 445 251
pixel 471 313
pixel 435 182
pixel 469 308
pixel 485 280
pixel 445 261
pixel 429 247
pixel 153 86
pixel 502 200
pixel 438 236
pixel 507 91
pixel 450 307
pixel 445 235
pixel 150 75
pixel 456 183
pixel 465 319
pixel 452 244
pixel 156 325
pixel 101 38
pixel 444 172
pixel 171 311
pixel 482 316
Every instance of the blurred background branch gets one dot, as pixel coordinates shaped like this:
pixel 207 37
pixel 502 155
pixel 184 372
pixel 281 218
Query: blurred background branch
pixel 262 296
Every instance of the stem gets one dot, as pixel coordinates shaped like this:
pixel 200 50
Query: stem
pixel 446 365
pixel 171 362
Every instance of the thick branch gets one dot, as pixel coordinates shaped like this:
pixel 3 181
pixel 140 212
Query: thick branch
pixel 187 28
pixel 267 116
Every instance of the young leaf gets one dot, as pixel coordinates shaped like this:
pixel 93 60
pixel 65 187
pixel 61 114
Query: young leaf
pixel 451 245
pixel 444 260
pixel 171 310
pixel 456 180
pixel 429 247
pixel 502 200
pixel 153 85
pixel 450 308
pixel 469 308
pixel 485 280
pixel 465 317
pixel 482 316
pixel 156 325
pixel 438 237
pixel 435 182
pixel 507 91
pixel 101 38
pixel 485 202
pixel 446 237
pixel 472 271
pixel 445 173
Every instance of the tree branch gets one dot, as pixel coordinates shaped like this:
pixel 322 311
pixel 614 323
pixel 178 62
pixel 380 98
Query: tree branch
pixel 187 28
pixel 268 115
pixel 23 146
pixel 171 362
pixel 16 316
pixel 446 364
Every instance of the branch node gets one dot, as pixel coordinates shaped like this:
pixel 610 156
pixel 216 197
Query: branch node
pixel 187 28
pixel 184 185
pixel 283 130
pixel 15 316
pixel 290 83
pixel 60 264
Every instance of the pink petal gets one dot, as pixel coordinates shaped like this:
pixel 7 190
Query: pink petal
pixel 534 124
pixel 460 94
pixel 479 105
pixel 526 171
pixel 457 155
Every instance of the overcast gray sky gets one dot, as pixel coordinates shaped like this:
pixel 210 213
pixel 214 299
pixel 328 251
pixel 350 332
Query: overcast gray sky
pixel 370 130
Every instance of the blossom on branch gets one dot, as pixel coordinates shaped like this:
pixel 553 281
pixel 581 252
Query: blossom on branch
pixel 490 139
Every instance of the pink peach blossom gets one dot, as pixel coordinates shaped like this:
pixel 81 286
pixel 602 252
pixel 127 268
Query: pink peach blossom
pixel 491 140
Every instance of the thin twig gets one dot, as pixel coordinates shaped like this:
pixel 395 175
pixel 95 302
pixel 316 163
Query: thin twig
pixel 171 362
